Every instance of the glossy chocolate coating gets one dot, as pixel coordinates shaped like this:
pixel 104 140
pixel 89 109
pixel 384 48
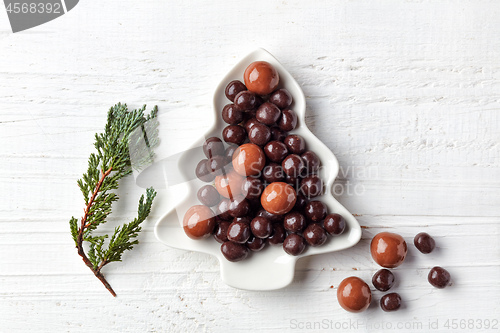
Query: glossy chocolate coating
pixel 354 295
pixel 277 134
pixel 229 185
pixel 278 198
pixel 220 231
pixel 424 242
pixel 245 100
pixel 249 159
pixel 390 302
pixel 255 244
pixel 252 188
pixel 334 224
pixel 388 249
pixel 276 151
pixel 281 98
pixel 273 173
pixel 288 120
pixel 213 147
pixel 294 222
pixel 208 195
pixel 301 203
pixel 239 206
pixel 274 218
pixel 233 88
pixel 278 235
pixel 222 210
pixel 250 123
pixel 295 144
pixel 229 152
pixel 293 165
pixel 234 134
pixel 234 251
pixel 261 77
pixel 294 244
pixel 244 219
pixel 311 186
pixel 315 235
pixel 216 164
pixel 439 277
pixel 268 113
pixel 311 161
pixel 315 211
pixel 198 222
pixel 232 115
pixel 261 227
pixel 259 134
pixel 238 232
pixel 202 171
pixel 383 280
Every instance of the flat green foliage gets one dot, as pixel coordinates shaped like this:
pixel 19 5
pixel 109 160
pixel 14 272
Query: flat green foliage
pixel 112 155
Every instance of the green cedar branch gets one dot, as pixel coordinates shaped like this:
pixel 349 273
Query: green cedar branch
pixel 126 134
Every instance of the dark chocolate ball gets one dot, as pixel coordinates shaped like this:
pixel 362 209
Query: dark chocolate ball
pixel 294 221
pixel 259 134
pixel 439 277
pixel 213 147
pixel 274 218
pixel 278 235
pixel 234 134
pixel 216 164
pixel 239 206
pixel 250 123
pixel 208 195
pixel 281 98
pixel 252 188
pixel 390 302
pixel 273 173
pixel 261 227
pixel 268 114
pixel 229 152
pixel 203 172
pixel 233 88
pixel 222 209
pixel 311 186
pixel 295 144
pixel 424 242
pixel 294 244
pixel 383 280
pixel 276 151
pixel 334 224
pixel 311 161
pixel 220 232
pixel 315 211
pixel 255 244
pixel 288 120
pixel 301 202
pixel 232 115
pixel 277 134
pixel 238 232
pixel 245 100
pixel 293 165
pixel 234 251
pixel 314 235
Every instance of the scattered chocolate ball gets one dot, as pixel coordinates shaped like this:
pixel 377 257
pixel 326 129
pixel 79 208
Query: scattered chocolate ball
pixel 278 235
pixel 268 113
pixel 234 251
pixel 233 88
pixel 288 120
pixel 213 147
pixel 383 280
pixel 245 100
pixel 334 224
pixel 203 173
pixel 315 211
pixel 234 134
pixel 311 161
pixel 388 249
pixel 294 222
pixel 198 222
pixel 354 295
pixel 220 231
pixel 315 235
pixel 424 242
pixel 294 244
pixel 293 165
pixel 311 186
pixel 295 144
pixel 259 134
pixel 439 277
pixel 276 151
pixel 232 115
pixel 255 244
pixel 281 98
pixel 238 232
pixel 261 227
pixel 208 195
pixel 390 302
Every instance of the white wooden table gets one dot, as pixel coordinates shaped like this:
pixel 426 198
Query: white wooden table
pixel 406 94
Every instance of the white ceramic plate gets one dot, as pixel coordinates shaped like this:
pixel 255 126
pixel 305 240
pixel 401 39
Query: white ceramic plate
pixel 270 268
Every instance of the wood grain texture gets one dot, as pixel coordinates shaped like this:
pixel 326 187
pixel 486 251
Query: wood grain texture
pixel 406 95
